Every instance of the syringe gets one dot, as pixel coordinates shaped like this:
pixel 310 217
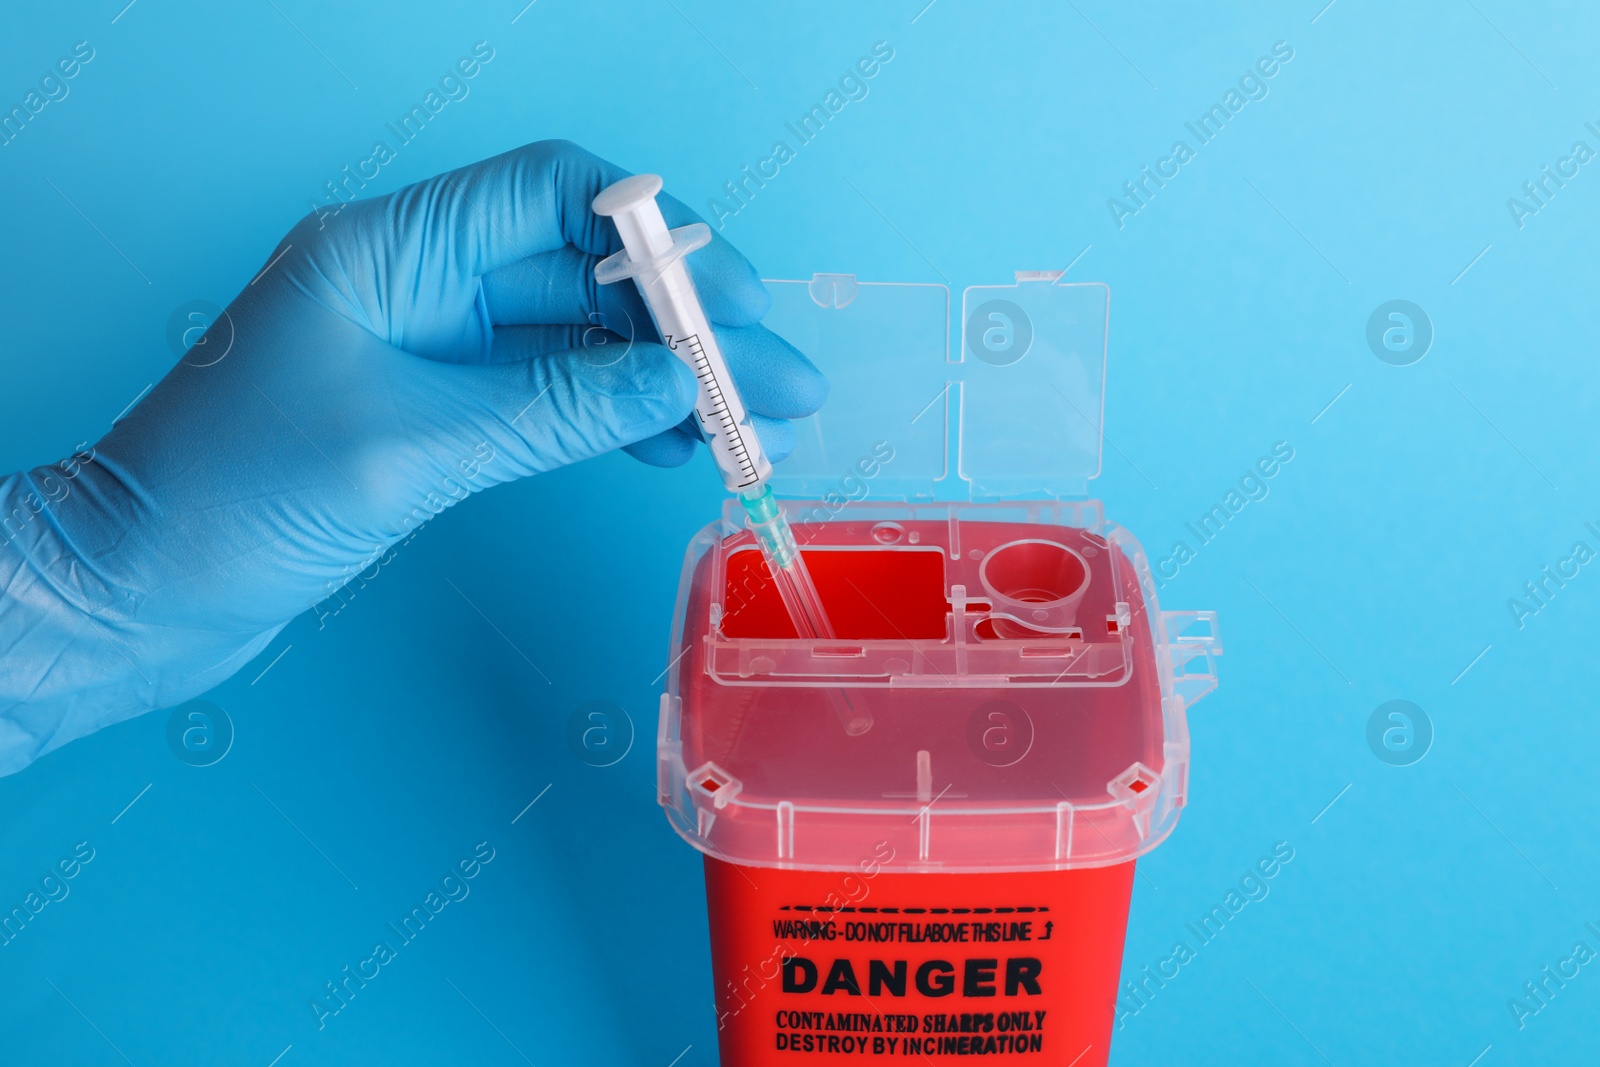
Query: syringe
pixel 653 257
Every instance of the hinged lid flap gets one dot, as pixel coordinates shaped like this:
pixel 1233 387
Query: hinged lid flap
pixel 1034 359
pixel 885 349
pixel 1023 397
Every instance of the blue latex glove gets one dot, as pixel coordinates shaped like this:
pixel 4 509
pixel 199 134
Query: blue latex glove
pixel 397 357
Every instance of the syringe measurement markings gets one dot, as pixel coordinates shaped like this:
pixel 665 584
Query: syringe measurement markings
pixel 721 411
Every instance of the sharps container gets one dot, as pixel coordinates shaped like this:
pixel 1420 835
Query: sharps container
pixel 920 834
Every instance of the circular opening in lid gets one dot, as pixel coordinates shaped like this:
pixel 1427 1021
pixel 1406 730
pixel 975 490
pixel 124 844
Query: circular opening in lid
pixel 1033 572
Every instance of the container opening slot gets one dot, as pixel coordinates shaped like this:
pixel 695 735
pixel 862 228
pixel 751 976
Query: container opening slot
pixel 870 594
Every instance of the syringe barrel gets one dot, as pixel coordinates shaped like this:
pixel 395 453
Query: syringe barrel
pixel 720 411
pixel 655 261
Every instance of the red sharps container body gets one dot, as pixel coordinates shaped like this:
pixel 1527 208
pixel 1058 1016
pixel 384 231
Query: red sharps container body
pixel 920 835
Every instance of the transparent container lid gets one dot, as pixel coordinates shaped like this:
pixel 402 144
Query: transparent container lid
pixel 1013 405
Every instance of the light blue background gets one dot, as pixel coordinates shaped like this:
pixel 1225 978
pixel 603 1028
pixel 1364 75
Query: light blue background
pixel 407 729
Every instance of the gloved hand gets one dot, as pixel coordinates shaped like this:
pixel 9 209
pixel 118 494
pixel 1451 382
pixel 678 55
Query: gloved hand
pixel 391 360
